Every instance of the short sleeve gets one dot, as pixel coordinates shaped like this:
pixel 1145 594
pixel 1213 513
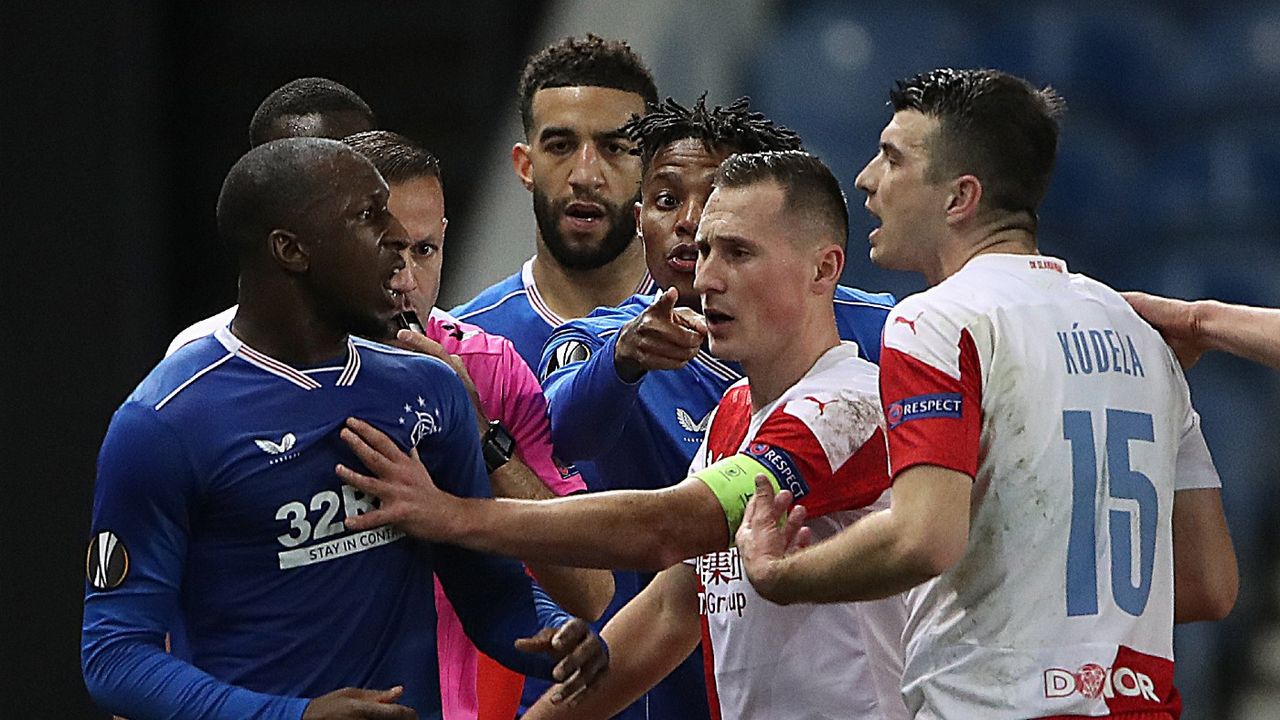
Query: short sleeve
pixel 931 391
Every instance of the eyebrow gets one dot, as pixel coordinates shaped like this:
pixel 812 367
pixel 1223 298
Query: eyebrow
pixel 557 131
pixel 889 148
pixel 667 176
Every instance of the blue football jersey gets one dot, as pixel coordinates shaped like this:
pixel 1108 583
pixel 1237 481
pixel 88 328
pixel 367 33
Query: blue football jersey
pixel 217 513
pixel 514 309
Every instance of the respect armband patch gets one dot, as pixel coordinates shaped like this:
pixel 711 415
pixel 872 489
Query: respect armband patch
pixel 733 480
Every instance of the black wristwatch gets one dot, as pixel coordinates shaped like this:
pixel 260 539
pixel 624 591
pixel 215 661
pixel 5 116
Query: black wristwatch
pixel 498 446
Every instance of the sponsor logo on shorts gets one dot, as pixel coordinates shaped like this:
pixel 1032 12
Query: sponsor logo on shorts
pixel 921 407
pixel 1095 681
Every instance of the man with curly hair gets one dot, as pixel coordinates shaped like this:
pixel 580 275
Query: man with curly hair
pixel 575 159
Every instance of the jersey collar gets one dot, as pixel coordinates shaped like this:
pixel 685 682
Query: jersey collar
pixel 282 370
pixel 646 286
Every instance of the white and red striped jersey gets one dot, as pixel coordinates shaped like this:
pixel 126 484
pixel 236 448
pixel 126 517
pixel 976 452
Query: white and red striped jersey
pixel 823 440
pixel 1075 422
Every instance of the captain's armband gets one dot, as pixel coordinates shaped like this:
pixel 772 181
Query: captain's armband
pixel 733 480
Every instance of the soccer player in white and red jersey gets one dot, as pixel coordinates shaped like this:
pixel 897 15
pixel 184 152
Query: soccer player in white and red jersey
pixel 807 418
pixel 1055 509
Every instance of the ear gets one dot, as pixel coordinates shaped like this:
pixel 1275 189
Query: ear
pixel 288 251
pixel 829 266
pixel 522 164
pixel 444 226
pixel 639 232
pixel 964 198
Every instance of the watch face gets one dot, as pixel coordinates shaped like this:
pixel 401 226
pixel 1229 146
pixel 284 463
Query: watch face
pixel 504 440
pixel 498 446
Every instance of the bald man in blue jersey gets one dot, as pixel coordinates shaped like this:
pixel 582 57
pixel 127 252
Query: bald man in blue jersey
pixel 216 513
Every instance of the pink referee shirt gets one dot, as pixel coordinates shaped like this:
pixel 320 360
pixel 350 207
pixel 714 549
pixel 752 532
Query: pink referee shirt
pixel 510 394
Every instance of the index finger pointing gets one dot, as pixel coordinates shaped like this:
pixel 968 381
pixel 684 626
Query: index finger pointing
pixel 665 303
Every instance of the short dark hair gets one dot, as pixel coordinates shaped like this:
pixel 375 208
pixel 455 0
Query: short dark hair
pixel 396 157
pixel 810 190
pixel 590 61
pixel 270 187
pixel 305 96
pixel 734 128
pixel 993 125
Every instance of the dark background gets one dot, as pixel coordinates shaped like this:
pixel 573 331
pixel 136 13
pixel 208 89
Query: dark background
pixel 123 122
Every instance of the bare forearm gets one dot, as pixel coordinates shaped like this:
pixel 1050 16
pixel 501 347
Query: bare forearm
pixel 648 638
pixel 627 529
pixel 515 480
pixel 1249 332
pixel 867 561
pixel 1205 574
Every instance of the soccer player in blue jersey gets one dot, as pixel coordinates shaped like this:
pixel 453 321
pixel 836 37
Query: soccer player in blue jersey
pixel 216 512
pixel 631 387
pixel 576 161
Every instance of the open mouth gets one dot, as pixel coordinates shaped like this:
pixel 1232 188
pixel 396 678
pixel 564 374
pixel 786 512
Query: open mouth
pixel 683 258
pixel 716 319
pixel 583 216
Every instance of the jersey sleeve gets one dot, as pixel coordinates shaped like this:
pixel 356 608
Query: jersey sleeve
pixel 493 596
pixel 589 402
pixel 823 478
pixel 931 391
pixel 524 413
pixel 144 501
pixel 1195 469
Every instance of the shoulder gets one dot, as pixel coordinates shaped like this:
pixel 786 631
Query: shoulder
pixel 932 322
pixel 182 377
pixel 464 339
pixel 491 298
pixel 378 359
pixel 603 321
pixel 201 328
pixel 840 396
pixel 852 297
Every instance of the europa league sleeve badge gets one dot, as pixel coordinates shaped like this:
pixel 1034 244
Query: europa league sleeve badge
pixel 106 565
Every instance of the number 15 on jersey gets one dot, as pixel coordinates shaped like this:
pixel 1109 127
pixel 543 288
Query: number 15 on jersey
pixel 1124 484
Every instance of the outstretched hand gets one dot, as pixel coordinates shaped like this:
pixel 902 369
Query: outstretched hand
pixel 1177 322
pixel 771 529
pixel 409 497
pixel 359 704
pixel 582 654
pixel 663 337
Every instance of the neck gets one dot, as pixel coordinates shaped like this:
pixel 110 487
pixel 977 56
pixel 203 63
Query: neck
pixel 574 293
pixel 280 322
pixel 773 373
pixel 1003 238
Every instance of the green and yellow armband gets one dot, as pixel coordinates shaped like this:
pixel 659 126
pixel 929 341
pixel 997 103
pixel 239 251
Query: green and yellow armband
pixel 733 480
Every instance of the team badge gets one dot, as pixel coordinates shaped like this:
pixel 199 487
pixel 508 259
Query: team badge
pixel 425 422
pixel 567 353
pixel 106 565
